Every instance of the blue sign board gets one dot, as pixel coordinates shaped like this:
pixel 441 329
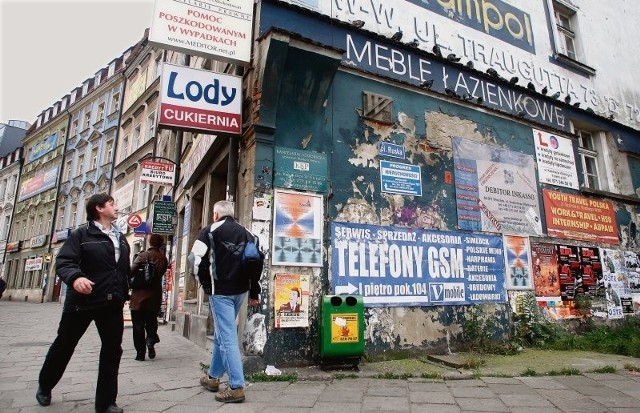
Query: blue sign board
pixel 391 149
pixel 394 266
pixel 42 148
pixel 400 178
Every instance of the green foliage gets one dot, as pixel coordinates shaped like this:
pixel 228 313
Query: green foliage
pixel 531 327
pixel 430 375
pixel 342 376
pixel 621 338
pixel 605 369
pixel 480 328
pixel 565 372
pixel 393 376
pixel 472 362
pixel 256 377
pixel 529 372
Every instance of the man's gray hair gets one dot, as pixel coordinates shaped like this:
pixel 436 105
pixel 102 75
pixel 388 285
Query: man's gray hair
pixel 223 208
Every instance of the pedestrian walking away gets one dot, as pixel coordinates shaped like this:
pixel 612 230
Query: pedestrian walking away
pixel 146 299
pixel 216 262
pixel 94 263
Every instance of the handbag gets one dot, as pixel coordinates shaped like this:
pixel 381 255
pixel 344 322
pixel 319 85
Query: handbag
pixel 143 276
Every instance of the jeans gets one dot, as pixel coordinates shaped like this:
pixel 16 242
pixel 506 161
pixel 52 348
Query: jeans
pixel 226 352
pixel 110 325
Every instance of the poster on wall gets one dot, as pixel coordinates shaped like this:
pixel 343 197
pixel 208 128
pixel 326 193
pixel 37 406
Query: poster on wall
pixel 496 189
pixel 518 262
pixel 571 216
pixel 397 266
pixel 297 229
pixel 568 270
pixel 590 271
pixel 291 300
pixel 556 161
pixel 546 281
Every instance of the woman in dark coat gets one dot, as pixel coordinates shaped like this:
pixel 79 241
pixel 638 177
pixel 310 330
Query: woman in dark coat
pixel 146 301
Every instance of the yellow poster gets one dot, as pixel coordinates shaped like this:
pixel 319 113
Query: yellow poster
pixel 344 328
pixel 291 300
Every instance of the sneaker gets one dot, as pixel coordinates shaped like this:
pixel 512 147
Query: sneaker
pixel 209 383
pixel 230 395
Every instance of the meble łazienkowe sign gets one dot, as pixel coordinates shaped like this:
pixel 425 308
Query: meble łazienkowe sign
pixel 200 100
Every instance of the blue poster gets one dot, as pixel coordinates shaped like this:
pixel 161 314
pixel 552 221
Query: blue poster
pixel 394 266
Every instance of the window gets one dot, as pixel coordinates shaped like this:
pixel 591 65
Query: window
pixel 377 107
pixel 32 226
pixel 589 158
pixel 566 35
pixel 87 121
pixel 125 148
pixel 108 152
pixel 67 170
pixel 100 112
pixel 61 223
pixel 143 194
pixel 136 138
pixel 5 227
pixel 40 224
pixel 80 165
pixel 49 219
pixel 74 128
pixel 115 103
pixel 73 214
pixel 157 67
pixel 151 126
pixel 94 158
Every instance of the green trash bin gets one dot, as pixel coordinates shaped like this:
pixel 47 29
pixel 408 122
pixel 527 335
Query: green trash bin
pixel 342 329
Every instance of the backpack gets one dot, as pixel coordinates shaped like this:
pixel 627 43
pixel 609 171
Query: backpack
pixel 252 258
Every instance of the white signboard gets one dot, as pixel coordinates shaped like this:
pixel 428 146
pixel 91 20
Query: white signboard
pixel 158 173
pixel 200 100
pixel 210 28
pixel 124 196
pixel 556 162
pixel 33 264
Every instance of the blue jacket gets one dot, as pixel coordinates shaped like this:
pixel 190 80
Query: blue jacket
pixel 90 253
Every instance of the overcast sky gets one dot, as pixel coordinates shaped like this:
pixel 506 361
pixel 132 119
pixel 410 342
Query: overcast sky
pixel 49 47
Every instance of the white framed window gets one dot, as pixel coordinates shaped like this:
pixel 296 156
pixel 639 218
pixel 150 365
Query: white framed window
pixel 115 103
pixel 143 194
pixel 94 158
pixel 157 66
pixel 151 126
pixel 67 170
pixel 87 120
pixel 80 165
pixel 73 214
pixel 587 149
pixel 74 128
pixel 125 148
pixel 100 114
pixel 135 142
pixel 566 24
pixel 566 34
pixel 40 224
pixel 108 152
pixel 49 220
pixel 61 216
pixel 5 227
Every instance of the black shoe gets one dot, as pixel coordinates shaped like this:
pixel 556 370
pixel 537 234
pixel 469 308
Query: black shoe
pixel 152 352
pixel 140 357
pixel 113 408
pixel 43 397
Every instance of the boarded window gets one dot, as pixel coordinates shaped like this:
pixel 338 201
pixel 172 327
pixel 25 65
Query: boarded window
pixel 377 107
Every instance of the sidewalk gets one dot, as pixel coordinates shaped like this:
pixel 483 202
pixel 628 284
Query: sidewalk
pixel 169 383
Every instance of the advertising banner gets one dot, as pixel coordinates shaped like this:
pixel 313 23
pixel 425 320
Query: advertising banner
pixel 496 189
pixel 42 148
pixel 518 260
pixel 572 216
pixel 297 229
pixel 393 266
pixel 291 300
pixel 39 183
pixel 200 100
pixel 545 271
pixel 556 161
pixel 219 29
pixel 157 173
pixel 33 264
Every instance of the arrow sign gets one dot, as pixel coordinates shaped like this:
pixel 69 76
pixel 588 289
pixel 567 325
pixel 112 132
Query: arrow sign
pixel 346 289
pixel 134 220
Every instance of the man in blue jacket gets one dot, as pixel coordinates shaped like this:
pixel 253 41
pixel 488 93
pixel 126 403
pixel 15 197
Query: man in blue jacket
pixel 94 263
pixel 216 259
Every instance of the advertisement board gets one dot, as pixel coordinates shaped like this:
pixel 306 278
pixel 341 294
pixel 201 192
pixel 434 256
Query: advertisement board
pixel 200 100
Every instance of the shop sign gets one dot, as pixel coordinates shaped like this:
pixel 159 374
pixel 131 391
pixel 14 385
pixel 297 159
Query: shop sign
pixel 37 241
pixel 14 246
pixel 298 169
pixel 33 264
pixel 157 173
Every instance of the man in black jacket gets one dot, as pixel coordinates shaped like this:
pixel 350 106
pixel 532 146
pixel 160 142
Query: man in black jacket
pixel 94 263
pixel 216 259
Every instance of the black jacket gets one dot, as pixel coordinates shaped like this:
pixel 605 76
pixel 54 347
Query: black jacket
pixel 223 263
pixel 90 253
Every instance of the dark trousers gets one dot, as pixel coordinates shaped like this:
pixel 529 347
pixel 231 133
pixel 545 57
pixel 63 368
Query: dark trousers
pixel 142 321
pixel 110 324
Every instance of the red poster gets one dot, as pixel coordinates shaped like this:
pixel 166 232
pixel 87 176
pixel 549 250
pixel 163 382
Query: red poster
pixel 545 270
pixel 572 216
pixel 591 271
pixel 568 270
